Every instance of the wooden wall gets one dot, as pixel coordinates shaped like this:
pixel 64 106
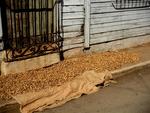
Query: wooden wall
pixel 0 26
pixel 73 23
pixel 1 46
pixel 107 23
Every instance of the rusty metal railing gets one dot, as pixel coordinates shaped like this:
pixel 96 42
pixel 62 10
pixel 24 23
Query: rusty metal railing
pixel 129 4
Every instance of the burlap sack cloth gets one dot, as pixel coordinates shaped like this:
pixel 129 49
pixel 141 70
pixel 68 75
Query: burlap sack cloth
pixel 56 96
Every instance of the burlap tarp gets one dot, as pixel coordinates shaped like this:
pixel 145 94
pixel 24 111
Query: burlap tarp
pixel 58 95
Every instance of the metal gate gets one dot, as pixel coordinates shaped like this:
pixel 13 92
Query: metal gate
pixel 31 28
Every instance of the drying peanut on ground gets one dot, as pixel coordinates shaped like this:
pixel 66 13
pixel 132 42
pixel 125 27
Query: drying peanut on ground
pixel 62 72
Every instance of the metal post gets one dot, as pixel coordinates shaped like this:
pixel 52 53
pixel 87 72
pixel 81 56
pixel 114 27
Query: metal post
pixel 0 26
pixel 1 33
pixel 87 6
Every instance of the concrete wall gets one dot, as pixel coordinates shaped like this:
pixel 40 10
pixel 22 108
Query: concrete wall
pixel 107 24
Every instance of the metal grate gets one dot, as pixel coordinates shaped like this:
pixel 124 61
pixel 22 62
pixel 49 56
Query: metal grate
pixel 128 4
pixel 32 28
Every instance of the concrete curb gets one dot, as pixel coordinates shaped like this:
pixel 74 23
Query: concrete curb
pixel 120 72
pixel 116 74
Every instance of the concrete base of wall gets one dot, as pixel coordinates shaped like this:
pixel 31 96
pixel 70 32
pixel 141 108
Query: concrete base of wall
pixel 29 64
pixel 0 60
pixel 110 46
pixel 47 60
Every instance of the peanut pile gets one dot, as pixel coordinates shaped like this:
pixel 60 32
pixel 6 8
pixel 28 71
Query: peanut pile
pixel 62 72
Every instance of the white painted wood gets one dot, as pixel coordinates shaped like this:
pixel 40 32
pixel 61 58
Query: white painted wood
pixel 75 19
pixel 1 34
pixel 87 5
pixel 97 1
pixel 73 22
pixel 110 21
pixel 121 38
pixel 73 15
pixel 78 15
pixel 72 41
pixel 68 9
pixel 110 36
pixel 73 34
pixel 140 32
pixel 127 32
pixel 73 2
pixel 0 26
pixel 74 28
pixel 69 47
pixel 129 25
pixel 119 18
pixel 107 23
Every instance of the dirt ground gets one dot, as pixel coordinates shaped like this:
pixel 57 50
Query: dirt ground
pixel 62 72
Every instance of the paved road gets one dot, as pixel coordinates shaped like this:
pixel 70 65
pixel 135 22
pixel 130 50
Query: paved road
pixel 130 95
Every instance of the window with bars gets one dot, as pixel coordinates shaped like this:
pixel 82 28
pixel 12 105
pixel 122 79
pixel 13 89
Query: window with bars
pixel 128 4
pixel 31 28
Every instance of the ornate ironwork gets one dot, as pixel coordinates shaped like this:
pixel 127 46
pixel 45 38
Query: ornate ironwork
pixel 32 28
pixel 129 4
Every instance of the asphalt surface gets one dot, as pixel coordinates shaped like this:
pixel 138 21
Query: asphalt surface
pixel 130 95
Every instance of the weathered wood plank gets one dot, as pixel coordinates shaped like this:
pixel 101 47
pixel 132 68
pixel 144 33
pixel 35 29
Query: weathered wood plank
pixel 110 10
pixel 79 8
pixel 102 18
pixel 139 29
pixel 76 14
pixel 73 15
pixel 113 35
pixel 118 25
pixel 73 22
pixel 73 2
pixel 107 23
pixel 115 22
pixel 118 19
pixel 70 41
pixel 73 34
pixel 121 38
pixel 97 1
